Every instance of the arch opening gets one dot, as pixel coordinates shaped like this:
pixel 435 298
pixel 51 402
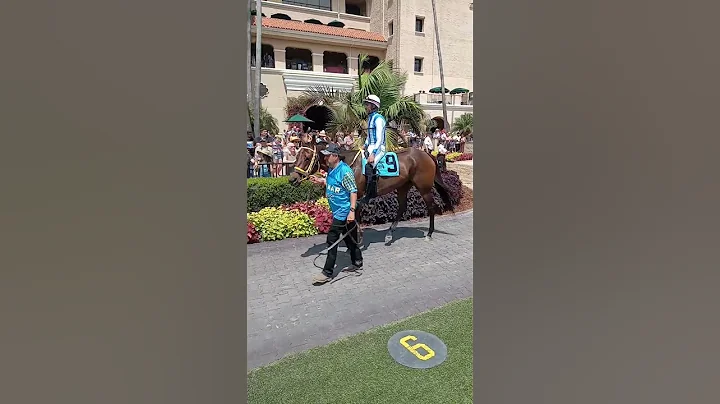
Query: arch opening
pixel 320 114
pixel 439 122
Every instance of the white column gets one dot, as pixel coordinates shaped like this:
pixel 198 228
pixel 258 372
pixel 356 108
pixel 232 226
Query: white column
pixel 352 62
pixel 317 60
pixel 279 58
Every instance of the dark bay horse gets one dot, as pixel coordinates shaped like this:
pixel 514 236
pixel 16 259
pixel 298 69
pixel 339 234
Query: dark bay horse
pixel 416 168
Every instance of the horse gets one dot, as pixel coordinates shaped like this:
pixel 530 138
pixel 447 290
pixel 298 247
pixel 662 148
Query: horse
pixel 416 168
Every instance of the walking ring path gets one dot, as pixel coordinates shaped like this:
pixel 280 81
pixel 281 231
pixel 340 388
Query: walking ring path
pixel 287 314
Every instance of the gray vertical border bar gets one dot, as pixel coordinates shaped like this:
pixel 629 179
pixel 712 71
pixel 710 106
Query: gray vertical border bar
pixel 596 181
pixel 122 202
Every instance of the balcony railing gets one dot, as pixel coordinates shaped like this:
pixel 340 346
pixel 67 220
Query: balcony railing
pixel 450 99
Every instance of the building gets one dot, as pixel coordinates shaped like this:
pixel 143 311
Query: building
pixel 307 43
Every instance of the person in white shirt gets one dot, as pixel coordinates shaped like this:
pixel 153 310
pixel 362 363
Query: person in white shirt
pixel 290 153
pixel 441 156
pixel 428 144
pixel 442 149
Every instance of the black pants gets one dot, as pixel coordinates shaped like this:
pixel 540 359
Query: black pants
pixel 340 227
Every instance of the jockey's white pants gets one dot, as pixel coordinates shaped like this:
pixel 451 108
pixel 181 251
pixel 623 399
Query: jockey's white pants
pixel 379 154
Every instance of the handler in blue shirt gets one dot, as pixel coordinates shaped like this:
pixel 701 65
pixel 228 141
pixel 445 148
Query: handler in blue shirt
pixel 341 192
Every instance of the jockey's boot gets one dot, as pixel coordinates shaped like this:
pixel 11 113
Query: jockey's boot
pixel 370 185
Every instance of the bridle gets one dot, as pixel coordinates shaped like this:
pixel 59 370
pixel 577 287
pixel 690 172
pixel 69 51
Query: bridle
pixel 314 161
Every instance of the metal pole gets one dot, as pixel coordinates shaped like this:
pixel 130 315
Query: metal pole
pixel 250 96
pixel 440 62
pixel 258 64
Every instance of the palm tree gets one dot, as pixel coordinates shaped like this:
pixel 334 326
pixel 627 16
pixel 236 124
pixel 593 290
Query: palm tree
pixel 347 113
pixel 463 124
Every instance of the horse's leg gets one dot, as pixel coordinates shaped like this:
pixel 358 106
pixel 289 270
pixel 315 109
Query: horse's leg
pixel 430 203
pixel 402 207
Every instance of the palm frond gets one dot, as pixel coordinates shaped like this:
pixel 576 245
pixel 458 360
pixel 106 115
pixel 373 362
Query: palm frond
pixel 321 95
pixel 293 106
pixel 463 124
pixel 267 121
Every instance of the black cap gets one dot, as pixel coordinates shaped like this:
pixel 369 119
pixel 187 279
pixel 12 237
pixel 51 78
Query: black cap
pixel 332 148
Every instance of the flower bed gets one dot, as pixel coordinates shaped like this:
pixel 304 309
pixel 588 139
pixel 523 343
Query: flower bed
pixel 455 156
pixel 302 219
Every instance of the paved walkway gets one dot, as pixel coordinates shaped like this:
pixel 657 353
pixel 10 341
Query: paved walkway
pixel 287 314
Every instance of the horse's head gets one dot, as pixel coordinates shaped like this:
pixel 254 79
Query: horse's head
pixel 307 162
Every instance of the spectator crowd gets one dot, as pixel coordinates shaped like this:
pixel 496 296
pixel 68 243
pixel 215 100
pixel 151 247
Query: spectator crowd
pixel 274 155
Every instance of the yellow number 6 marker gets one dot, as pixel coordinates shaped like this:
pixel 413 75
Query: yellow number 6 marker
pixel 414 348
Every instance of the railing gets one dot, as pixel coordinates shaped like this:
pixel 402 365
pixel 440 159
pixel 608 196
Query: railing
pixel 266 170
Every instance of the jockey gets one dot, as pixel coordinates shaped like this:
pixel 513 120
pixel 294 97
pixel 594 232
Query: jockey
pixel 374 144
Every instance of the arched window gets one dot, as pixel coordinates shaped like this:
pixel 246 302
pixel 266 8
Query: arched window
pixel 298 59
pixel 370 64
pixel 335 62
pixel 267 54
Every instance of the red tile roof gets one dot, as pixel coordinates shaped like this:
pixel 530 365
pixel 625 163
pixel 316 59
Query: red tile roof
pixel 320 29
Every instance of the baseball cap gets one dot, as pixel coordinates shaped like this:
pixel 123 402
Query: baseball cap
pixel 331 149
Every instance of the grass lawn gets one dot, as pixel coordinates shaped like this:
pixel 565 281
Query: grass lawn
pixel 359 369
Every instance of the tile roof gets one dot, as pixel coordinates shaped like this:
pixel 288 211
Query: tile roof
pixel 268 22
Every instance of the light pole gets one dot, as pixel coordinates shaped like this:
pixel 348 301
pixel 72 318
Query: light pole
pixel 258 65
pixel 250 96
pixel 440 62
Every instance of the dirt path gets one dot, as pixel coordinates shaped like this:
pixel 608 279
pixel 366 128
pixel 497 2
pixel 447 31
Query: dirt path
pixel 464 170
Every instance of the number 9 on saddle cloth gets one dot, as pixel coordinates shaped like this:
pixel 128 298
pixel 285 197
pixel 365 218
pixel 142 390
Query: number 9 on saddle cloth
pixel 388 166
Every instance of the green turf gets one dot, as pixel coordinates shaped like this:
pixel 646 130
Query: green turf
pixel 359 369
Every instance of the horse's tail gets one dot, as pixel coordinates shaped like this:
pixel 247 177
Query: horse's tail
pixel 440 186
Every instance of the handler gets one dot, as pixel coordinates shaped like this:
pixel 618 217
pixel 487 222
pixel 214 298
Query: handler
pixel 341 193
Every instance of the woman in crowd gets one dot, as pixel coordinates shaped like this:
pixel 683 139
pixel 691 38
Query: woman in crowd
pixel 277 156
pixel 290 152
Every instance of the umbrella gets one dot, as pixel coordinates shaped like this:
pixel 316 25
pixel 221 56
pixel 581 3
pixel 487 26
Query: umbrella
pixel 297 118
pixel 313 21
pixel 437 90
pixel 459 90
pixel 336 23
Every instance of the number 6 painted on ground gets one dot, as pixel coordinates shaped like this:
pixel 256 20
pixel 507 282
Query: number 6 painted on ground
pixel 414 348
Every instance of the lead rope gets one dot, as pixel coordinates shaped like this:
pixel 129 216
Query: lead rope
pixel 351 271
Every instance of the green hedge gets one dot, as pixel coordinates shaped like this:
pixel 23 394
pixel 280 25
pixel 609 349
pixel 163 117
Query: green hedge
pixel 267 192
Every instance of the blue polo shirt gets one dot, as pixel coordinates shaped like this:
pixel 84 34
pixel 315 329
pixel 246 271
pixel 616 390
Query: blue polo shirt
pixel 340 184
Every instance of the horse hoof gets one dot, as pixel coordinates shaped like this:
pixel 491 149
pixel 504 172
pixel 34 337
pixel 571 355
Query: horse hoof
pixel 428 238
pixel 388 238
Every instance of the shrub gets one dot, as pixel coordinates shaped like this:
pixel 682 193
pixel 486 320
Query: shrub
pixel 319 213
pixel 383 209
pixel 267 192
pixel 277 223
pixel 464 157
pixel 323 202
pixel 253 236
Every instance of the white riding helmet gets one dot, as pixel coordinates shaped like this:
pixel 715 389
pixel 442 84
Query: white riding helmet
pixel 373 99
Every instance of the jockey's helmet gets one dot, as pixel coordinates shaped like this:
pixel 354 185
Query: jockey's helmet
pixel 373 99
